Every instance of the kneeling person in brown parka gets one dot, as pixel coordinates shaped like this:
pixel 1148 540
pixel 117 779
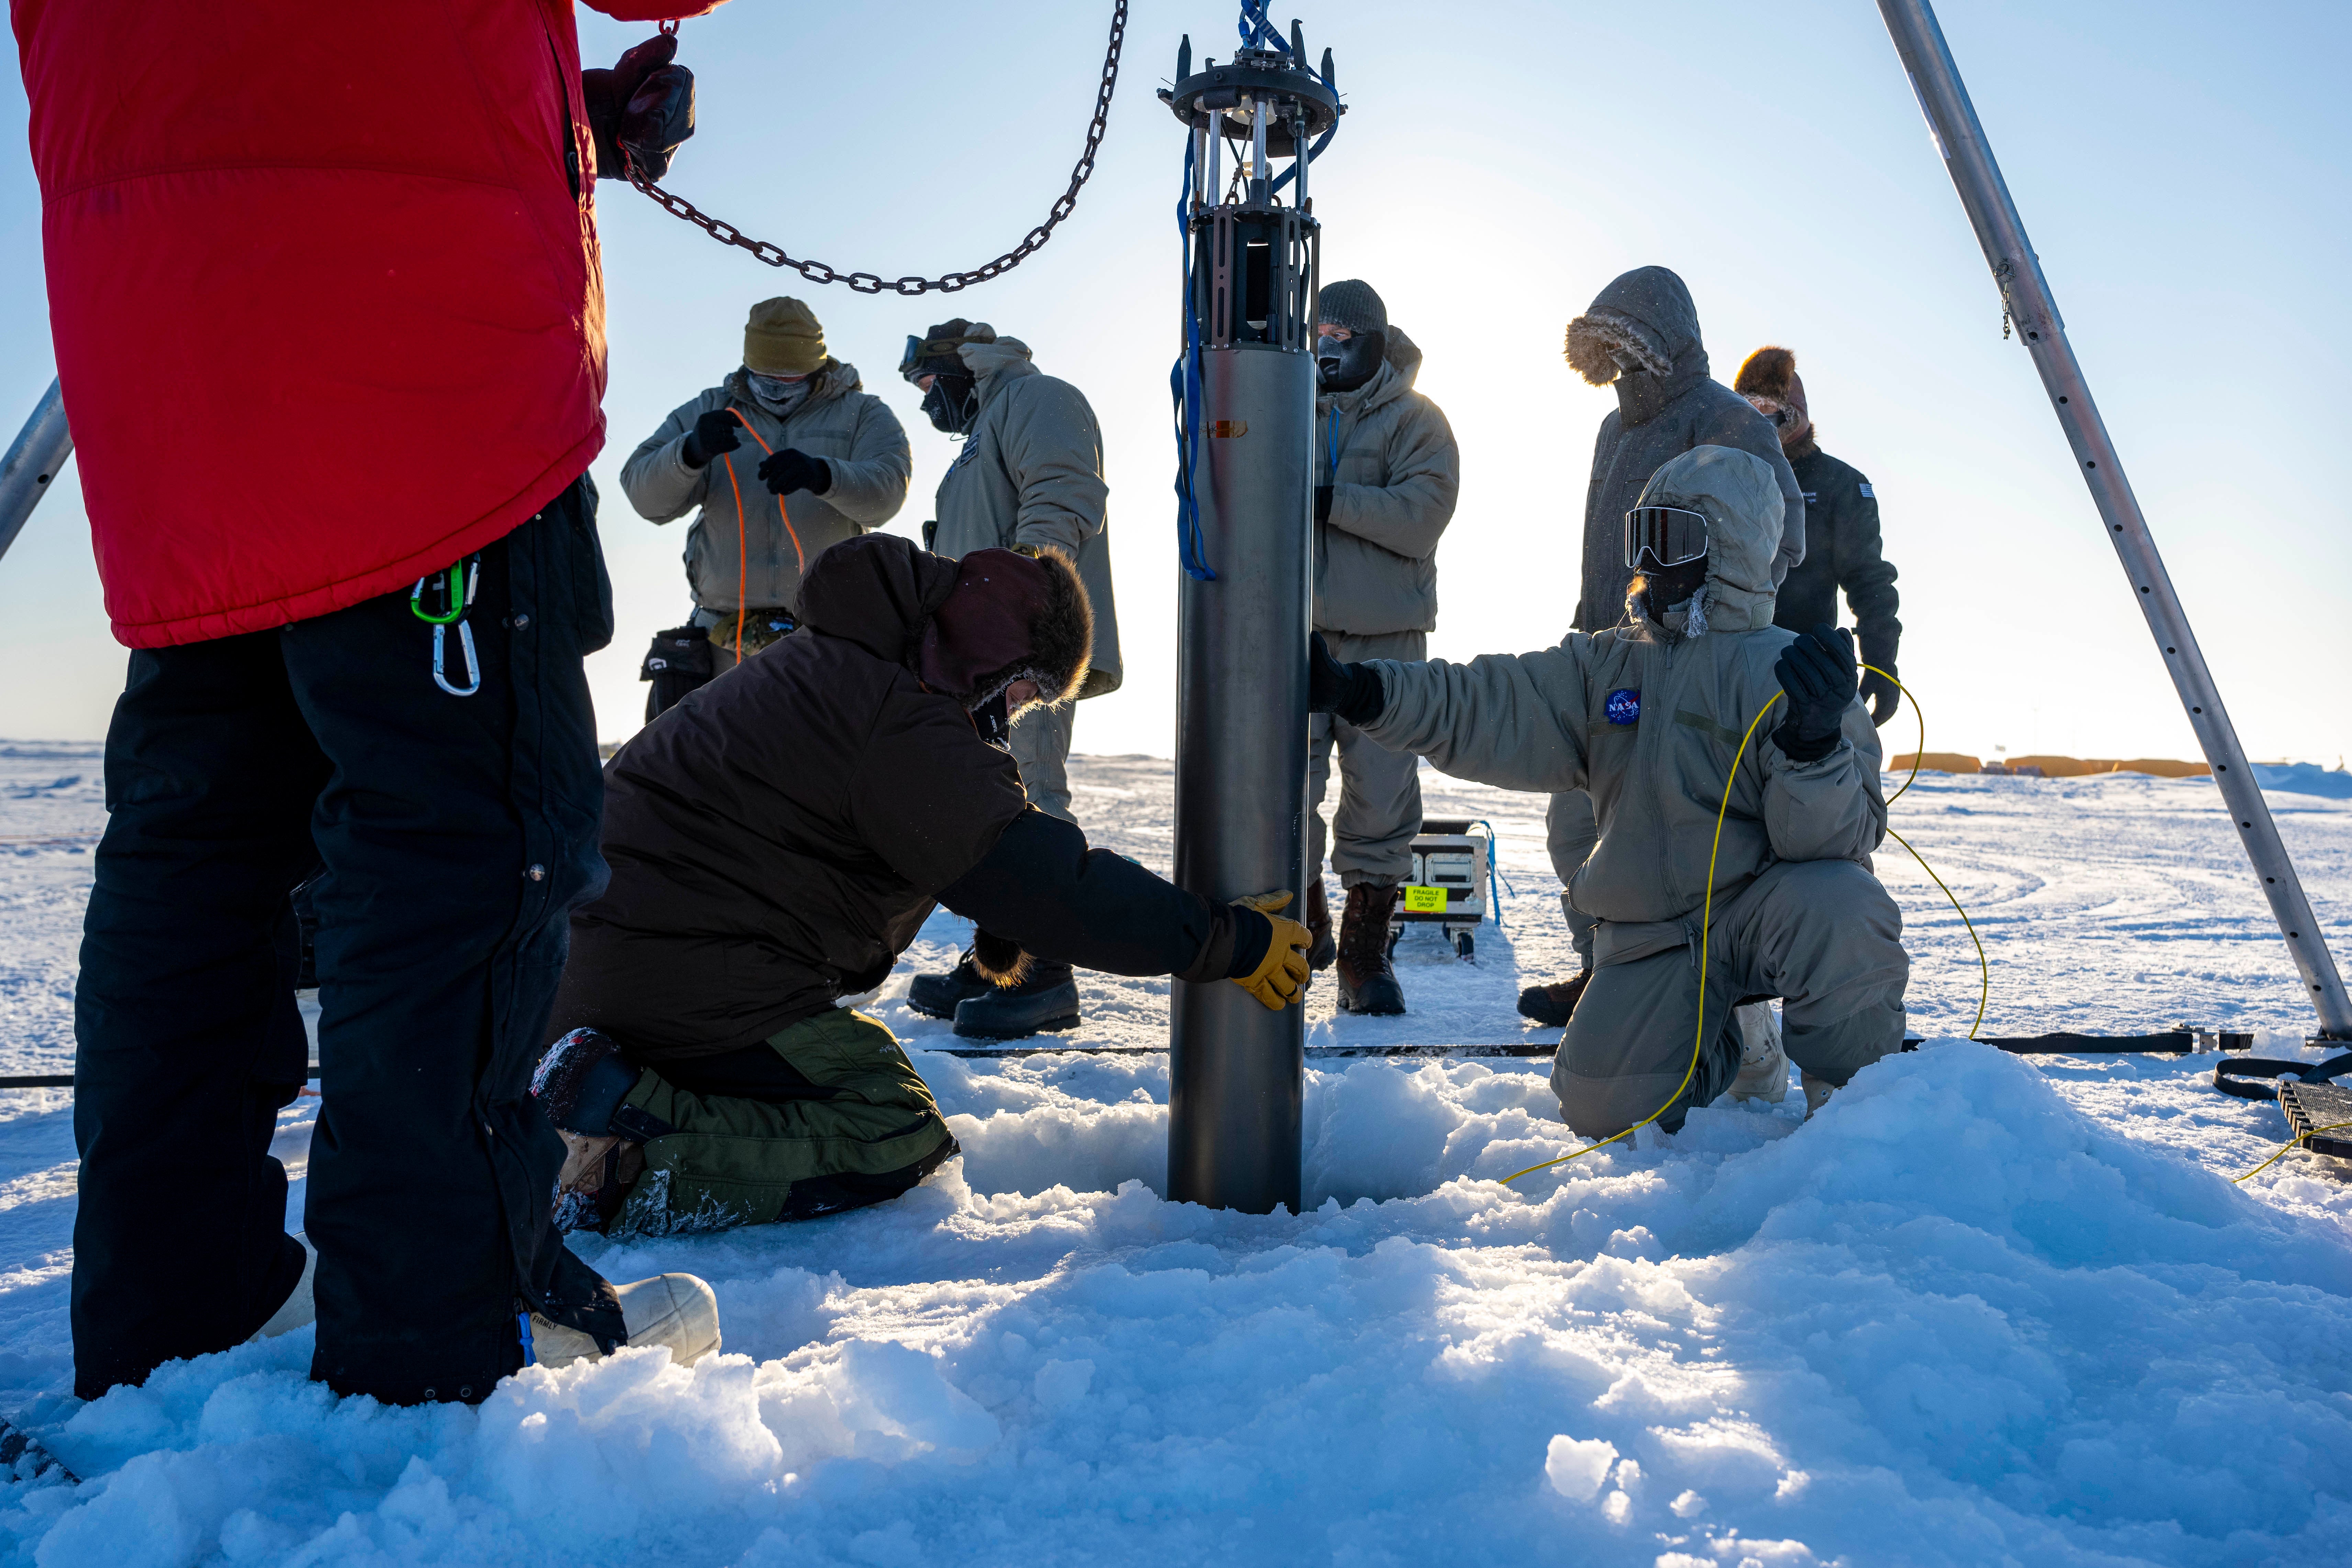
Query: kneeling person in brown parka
pixel 777 839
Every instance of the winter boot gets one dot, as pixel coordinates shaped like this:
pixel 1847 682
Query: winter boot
pixel 1817 1094
pixel 673 1309
pixel 1763 1066
pixel 939 994
pixel 1048 998
pixel 301 1309
pixel 1323 949
pixel 1551 1005
pixel 582 1083
pixel 1367 982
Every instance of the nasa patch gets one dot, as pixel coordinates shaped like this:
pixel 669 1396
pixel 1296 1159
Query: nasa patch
pixel 1625 707
pixel 1868 494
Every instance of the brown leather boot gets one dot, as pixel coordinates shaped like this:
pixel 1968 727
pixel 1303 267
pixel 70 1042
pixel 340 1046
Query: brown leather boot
pixel 1323 949
pixel 1368 983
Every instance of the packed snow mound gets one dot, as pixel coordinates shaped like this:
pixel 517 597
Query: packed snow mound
pixel 1951 1319
pixel 1981 1309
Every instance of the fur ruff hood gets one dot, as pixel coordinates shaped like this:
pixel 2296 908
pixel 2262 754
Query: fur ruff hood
pixel 1645 318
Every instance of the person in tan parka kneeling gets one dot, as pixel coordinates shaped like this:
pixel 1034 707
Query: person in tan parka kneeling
pixel 1648 715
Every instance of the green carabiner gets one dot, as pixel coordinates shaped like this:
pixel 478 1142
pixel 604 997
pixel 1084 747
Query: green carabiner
pixel 454 592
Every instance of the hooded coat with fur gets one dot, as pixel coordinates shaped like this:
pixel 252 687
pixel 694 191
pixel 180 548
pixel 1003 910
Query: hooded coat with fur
pixel 1666 405
pixel 1030 474
pixel 777 838
pixel 1648 720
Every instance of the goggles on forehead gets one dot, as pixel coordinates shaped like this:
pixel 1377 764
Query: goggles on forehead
pixel 910 363
pixel 1672 535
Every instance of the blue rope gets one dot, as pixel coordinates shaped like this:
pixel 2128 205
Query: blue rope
pixel 1184 395
pixel 1494 875
pixel 1257 31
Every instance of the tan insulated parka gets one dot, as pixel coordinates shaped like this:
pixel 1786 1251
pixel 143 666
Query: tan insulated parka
pixel 1031 473
pixel 1389 458
pixel 854 431
pixel 1649 720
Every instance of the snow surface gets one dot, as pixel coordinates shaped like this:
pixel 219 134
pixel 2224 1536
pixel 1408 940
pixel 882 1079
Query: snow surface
pixel 1982 1308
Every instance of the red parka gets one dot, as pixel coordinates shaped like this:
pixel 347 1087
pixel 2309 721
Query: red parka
pixel 324 286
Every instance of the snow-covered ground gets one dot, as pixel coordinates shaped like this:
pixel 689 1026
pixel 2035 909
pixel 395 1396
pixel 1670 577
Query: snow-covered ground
pixel 1981 1309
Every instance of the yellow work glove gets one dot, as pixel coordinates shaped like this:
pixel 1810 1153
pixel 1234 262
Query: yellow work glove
pixel 1280 977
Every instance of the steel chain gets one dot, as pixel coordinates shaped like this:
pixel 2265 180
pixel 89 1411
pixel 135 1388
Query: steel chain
pixel 871 283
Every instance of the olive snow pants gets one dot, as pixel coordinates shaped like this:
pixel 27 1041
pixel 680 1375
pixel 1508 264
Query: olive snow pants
pixel 836 1119
pixel 1379 813
pixel 1821 935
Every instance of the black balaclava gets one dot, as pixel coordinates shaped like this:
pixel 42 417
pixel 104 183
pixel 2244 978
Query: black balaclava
pixel 1661 588
pixel 954 401
pixel 1345 366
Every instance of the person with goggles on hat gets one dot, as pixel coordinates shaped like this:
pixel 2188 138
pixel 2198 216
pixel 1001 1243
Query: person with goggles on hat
pixel 785 457
pixel 1029 478
pixel 1648 716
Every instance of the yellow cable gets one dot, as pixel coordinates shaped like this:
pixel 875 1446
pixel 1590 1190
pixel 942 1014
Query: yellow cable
pixel 1706 919
pixel 2289 1148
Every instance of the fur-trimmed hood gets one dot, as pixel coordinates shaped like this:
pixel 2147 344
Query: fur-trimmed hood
pixel 1645 318
pixel 1739 494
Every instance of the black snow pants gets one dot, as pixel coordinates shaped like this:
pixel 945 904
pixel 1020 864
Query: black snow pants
pixel 457 834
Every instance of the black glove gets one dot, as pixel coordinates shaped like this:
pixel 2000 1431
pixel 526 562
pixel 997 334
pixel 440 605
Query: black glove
pixel 1353 691
pixel 1817 672
pixel 1323 503
pixel 793 469
pixel 1879 691
pixel 644 103
pixel 716 432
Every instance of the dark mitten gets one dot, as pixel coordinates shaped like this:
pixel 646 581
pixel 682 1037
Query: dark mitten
pixel 1353 691
pixel 999 959
pixel 791 469
pixel 1817 672
pixel 716 432
pixel 1323 503
pixel 644 103
pixel 1879 691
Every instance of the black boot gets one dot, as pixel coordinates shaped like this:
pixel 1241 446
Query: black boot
pixel 1323 949
pixel 1047 999
pixel 582 1083
pixel 1553 1005
pixel 939 994
pixel 1367 982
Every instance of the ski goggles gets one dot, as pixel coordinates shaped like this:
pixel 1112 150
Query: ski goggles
pixel 910 363
pixel 1672 535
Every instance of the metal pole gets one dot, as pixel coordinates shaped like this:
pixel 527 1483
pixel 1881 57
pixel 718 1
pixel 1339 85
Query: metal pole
pixel 2025 295
pixel 39 451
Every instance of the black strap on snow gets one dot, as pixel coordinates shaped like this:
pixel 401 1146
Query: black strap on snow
pixel 2251 1077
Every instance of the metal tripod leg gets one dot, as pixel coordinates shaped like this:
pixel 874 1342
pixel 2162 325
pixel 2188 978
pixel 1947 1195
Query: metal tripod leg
pixel 2025 295
pixel 39 451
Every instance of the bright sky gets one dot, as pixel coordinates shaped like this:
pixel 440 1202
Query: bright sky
pixel 2179 167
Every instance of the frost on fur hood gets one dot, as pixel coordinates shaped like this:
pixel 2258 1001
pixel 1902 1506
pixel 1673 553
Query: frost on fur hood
pixel 1645 317
pixel 1739 496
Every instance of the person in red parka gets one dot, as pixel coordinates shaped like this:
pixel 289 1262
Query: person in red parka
pixel 356 654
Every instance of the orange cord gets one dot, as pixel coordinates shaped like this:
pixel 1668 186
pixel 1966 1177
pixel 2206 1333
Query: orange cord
pixel 742 555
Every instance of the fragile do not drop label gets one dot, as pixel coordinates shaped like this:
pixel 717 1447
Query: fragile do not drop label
pixel 1424 901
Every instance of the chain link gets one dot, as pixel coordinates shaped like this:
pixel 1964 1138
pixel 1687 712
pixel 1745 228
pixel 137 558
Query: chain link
pixel 870 283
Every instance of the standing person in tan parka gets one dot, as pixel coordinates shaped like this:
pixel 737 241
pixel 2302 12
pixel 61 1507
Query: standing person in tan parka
pixel 1028 479
pixel 1386 473
pixel 786 458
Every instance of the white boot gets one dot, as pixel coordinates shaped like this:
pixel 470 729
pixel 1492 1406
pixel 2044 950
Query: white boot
pixel 673 1309
pixel 301 1309
pixel 1763 1067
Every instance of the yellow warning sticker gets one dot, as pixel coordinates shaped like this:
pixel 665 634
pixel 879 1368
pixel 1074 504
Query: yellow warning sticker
pixel 1424 901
